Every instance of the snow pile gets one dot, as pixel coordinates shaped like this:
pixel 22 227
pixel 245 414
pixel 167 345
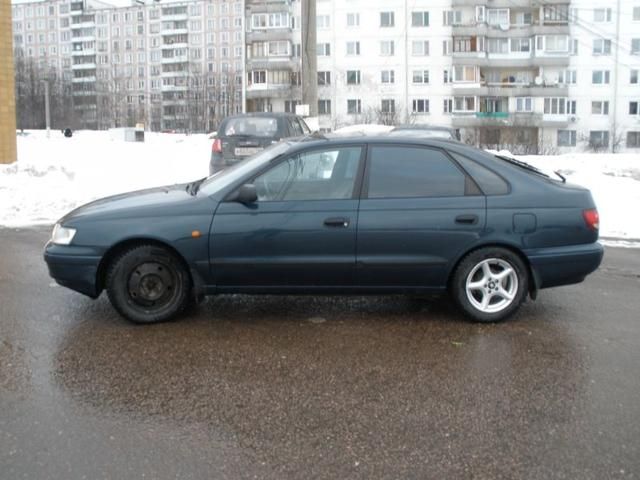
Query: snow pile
pixel 58 174
pixel 55 175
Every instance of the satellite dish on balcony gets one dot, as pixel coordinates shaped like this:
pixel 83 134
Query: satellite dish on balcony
pixel 537 81
pixel 504 27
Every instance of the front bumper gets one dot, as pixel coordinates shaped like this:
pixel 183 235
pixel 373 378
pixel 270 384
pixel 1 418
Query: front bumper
pixel 557 266
pixel 74 267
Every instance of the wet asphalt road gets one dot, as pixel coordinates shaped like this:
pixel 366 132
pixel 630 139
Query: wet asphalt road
pixel 318 387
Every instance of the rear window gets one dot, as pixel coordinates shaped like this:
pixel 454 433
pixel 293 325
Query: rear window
pixel 251 126
pixel 490 183
pixel 407 172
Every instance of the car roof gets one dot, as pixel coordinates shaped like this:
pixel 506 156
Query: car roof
pixel 381 139
pixel 424 127
pixel 263 114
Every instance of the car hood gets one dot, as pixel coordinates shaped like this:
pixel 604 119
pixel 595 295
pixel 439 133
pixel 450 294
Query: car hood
pixel 151 202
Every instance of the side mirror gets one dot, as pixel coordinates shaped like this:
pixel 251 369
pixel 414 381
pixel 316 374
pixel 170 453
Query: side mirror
pixel 247 194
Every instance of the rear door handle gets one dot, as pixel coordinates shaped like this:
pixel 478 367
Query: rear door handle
pixel 337 222
pixel 467 219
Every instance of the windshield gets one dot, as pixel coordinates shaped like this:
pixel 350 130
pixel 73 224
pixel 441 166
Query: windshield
pixel 238 170
pixel 251 126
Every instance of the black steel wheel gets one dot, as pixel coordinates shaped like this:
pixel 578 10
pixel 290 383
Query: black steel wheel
pixel 148 284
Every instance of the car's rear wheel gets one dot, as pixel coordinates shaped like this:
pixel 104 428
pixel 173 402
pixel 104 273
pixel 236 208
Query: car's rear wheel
pixel 490 284
pixel 148 284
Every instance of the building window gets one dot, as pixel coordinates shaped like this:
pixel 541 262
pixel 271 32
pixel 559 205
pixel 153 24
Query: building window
pixel 556 106
pixel 446 78
pixel 387 76
pixel 324 107
pixel 420 76
pixel 599 107
pixel 353 19
pixel 447 106
pixel 323 21
pixel 599 138
pixel 353 48
pixel 290 106
pixel 258 77
pixel 451 17
pixel 420 105
pixel 387 19
pixel 354 106
pixel 524 104
pixel 636 14
pixel 601 46
pixel 498 16
pixel 353 77
pixel 324 49
pixel 566 138
pixel 521 45
pixel 324 78
pixel 420 48
pixel 279 49
pixel 633 139
pixel 556 13
pixel 601 14
pixel 464 104
pixel 633 77
pixel 635 46
pixel 419 19
pixel 387 48
pixel 464 74
pixel 567 77
pixel 388 106
pixel 600 77
pixel 633 108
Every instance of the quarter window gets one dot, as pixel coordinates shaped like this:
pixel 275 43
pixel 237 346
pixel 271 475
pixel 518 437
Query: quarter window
pixel 409 172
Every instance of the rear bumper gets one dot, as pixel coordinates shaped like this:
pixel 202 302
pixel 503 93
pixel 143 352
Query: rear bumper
pixel 73 267
pixel 557 266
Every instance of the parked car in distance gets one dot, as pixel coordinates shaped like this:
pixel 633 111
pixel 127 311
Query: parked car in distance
pixel 323 215
pixel 240 136
pixel 426 131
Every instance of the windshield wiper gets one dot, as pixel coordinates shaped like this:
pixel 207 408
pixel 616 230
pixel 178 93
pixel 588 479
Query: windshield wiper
pixel 192 188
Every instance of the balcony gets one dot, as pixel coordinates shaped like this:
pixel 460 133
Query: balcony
pixel 175 17
pixel 496 119
pixel 173 46
pixel 269 35
pixel 527 60
pixel 174 31
pixel 273 63
pixel 272 91
pixel 176 74
pixel 91 79
pixel 174 88
pixel 83 53
pixel 84 66
pixel 176 59
pixel 501 3
pixel 485 89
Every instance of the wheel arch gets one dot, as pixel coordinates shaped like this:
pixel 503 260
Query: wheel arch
pixel 533 281
pixel 118 248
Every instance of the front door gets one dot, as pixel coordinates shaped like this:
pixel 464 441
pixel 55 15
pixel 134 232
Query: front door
pixel 300 233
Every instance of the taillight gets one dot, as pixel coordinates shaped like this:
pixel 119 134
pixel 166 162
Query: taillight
pixel 217 146
pixel 591 218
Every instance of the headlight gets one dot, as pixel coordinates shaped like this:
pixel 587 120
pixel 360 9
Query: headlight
pixel 62 235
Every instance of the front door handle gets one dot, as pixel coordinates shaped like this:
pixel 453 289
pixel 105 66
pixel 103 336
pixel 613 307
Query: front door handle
pixel 337 222
pixel 467 219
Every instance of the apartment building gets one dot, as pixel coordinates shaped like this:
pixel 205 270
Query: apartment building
pixel 273 64
pixel 530 75
pixel 174 66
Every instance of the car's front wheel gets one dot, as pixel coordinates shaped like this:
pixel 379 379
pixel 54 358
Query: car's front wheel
pixel 148 284
pixel 490 284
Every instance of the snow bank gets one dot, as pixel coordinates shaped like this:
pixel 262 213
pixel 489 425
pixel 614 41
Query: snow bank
pixel 58 174
pixel 53 176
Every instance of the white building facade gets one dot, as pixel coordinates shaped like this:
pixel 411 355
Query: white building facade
pixel 534 76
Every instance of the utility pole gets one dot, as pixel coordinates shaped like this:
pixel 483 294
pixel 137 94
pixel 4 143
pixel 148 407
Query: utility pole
pixel 47 114
pixel 309 57
pixel 8 151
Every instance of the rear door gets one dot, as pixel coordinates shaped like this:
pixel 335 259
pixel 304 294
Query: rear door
pixel 418 211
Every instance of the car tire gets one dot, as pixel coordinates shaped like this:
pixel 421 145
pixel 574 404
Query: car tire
pixel 490 284
pixel 148 284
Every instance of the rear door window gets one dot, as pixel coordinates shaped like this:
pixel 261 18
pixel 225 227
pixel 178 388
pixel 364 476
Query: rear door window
pixel 296 129
pixel 407 172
